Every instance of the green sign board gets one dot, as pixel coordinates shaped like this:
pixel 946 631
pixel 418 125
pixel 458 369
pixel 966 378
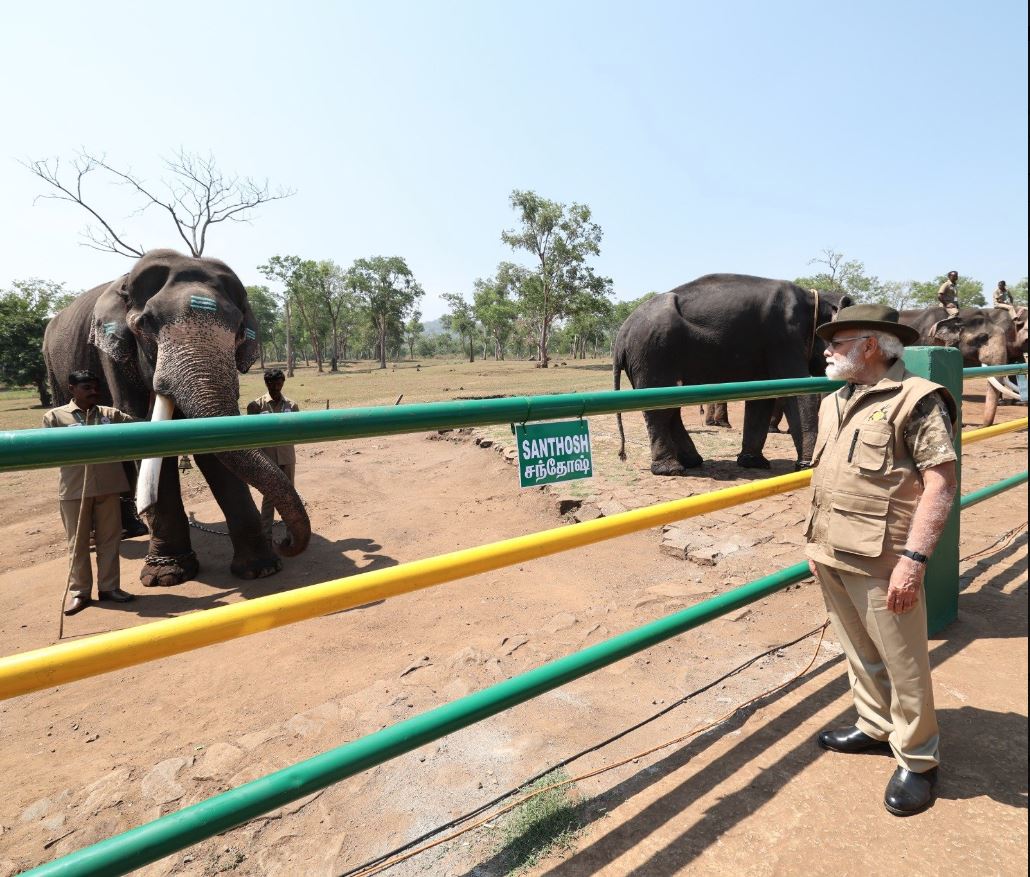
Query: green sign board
pixel 552 452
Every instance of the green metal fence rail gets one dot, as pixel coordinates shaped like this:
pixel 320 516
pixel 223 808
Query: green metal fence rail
pixel 43 448
pixel 148 843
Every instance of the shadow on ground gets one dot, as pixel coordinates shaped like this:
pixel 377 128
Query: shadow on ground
pixel 986 750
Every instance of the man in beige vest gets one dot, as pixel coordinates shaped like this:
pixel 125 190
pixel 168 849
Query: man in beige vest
pixel 284 456
pixel 883 486
pixel 90 498
pixel 947 295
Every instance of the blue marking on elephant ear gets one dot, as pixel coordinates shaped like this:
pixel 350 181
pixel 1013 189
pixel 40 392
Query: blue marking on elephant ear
pixel 203 303
pixel 109 328
pixel 250 334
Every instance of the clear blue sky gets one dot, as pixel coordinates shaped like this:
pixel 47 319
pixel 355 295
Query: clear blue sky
pixel 733 136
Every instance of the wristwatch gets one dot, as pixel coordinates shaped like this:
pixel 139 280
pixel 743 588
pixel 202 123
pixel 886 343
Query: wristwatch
pixel 914 555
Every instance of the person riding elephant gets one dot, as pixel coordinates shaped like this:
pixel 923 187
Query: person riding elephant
pixel 720 328
pixel 179 330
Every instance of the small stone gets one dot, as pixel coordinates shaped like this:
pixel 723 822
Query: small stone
pixel 587 513
pixel 160 783
pixel 486 443
pixel 704 555
pixel 418 665
pixel 562 621
pixel 612 507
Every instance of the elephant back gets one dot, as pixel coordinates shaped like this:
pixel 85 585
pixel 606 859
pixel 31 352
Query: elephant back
pixel 66 346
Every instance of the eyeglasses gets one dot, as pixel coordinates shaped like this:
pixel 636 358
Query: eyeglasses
pixel 833 345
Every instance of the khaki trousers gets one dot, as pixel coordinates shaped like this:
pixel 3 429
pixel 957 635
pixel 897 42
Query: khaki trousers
pixel 888 665
pixel 103 515
pixel 267 509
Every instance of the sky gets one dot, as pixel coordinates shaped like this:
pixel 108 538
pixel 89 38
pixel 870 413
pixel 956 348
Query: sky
pixel 743 137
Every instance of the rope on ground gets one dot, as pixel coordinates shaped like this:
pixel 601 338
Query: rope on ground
pixel 1008 538
pixel 400 854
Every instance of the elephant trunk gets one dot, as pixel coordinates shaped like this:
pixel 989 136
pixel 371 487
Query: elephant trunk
pixel 209 387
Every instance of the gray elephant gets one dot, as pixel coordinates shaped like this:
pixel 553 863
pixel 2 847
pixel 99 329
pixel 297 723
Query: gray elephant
pixel 719 328
pixel 177 330
pixel 984 336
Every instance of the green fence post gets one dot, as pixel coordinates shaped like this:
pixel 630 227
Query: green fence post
pixel 942 365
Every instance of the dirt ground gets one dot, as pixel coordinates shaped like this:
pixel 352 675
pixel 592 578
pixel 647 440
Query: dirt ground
pixel 754 796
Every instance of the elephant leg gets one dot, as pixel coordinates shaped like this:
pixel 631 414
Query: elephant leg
pixel 803 419
pixel 253 554
pixel 686 453
pixel 717 414
pixel 672 451
pixel 170 559
pixel 779 409
pixel 756 430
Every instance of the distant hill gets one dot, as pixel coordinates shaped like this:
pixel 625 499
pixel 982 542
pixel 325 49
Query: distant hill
pixel 435 327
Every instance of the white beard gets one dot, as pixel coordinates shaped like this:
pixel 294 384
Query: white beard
pixel 846 368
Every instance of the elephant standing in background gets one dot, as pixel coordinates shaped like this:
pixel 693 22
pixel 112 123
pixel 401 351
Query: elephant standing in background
pixel 179 329
pixel 719 328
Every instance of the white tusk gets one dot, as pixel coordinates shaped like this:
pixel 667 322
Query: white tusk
pixel 150 468
pixel 1005 390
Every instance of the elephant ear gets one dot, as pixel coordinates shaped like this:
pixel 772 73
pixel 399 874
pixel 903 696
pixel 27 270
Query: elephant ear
pixel 946 333
pixel 247 350
pixel 846 301
pixel 108 331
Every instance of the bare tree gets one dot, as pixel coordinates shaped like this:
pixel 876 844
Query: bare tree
pixel 195 194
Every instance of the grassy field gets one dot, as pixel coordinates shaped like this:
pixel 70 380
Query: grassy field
pixel 364 383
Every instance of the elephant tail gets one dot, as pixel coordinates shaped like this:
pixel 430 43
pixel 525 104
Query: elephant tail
pixel 617 385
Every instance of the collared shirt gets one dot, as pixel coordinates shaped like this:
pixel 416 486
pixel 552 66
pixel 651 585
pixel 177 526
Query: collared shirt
pixel 282 455
pixel 102 478
pixel 1002 296
pixel 948 292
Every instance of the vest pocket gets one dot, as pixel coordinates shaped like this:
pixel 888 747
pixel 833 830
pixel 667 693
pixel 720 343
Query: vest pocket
pixel 872 449
pixel 857 524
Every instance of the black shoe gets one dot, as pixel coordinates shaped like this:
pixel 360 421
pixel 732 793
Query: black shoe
pixel 850 740
pixel 135 528
pixel 909 793
pixel 116 596
pixel 77 603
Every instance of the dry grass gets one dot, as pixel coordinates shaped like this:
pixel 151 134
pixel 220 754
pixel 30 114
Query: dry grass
pixel 363 383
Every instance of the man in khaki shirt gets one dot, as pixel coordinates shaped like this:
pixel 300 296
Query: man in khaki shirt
pixel 947 295
pixel 284 456
pixel 90 499
pixel 882 488
pixel 1003 299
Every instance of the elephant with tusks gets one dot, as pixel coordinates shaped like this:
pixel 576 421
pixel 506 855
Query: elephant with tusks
pixel 169 340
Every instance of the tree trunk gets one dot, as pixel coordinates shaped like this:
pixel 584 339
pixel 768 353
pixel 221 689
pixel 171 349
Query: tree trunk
pixel 382 345
pixel 289 341
pixel 543 345
pixel 43 389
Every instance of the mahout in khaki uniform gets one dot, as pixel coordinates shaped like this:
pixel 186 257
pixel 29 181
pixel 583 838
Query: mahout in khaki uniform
pixel 90 499
pixel 883 487
pixel 1003 299
pixel 947 295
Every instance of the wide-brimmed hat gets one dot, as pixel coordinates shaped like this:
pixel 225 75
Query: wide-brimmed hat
pixel 879 318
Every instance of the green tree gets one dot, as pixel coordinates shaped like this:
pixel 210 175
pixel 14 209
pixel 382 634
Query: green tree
pixel 25 310
pixel 286 270
pixel 970 292
pixel 494 306
pixel 847 276
pixel 461 320
pixel 413 330
pixel 388 291
pixel 560 238
pixel 1019 292
pixel 266 312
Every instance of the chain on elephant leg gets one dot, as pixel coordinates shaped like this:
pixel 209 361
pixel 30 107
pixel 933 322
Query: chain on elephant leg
pixel 165 570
